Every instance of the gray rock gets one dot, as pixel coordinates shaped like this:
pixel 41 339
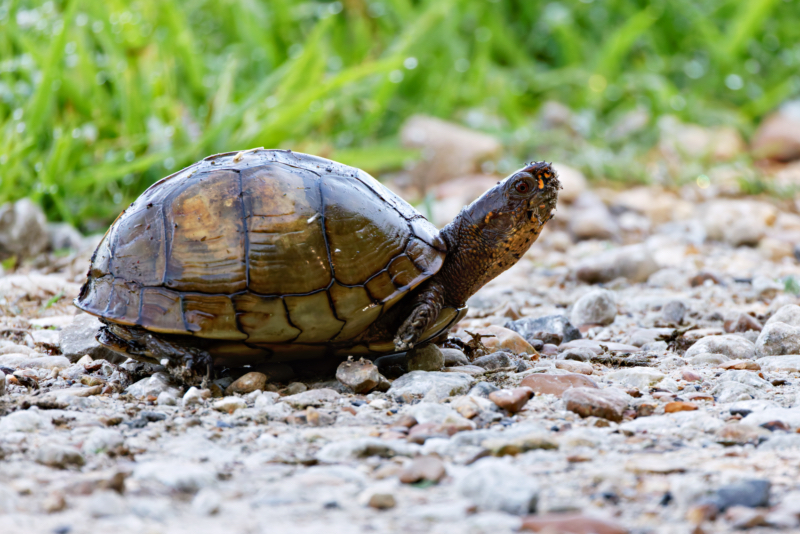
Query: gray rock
pixel 554 329
pixel 641 378
pixel 731 391
pixel 433 412
pixel 780 363
pixel 23 229
pixel 673 312
pixel 46 362
pixel 496 360
pixel 790 416
pixel 750 493
pixel 354 449
pixel 731 345
pixel 482 389
pixel 599 306
pixel 78 339
pixel 494 484
pixel 707 358
pixel 579 354
pixel 106 503
pixel 432 385
pixel 64 236
pixel 2 383
pixel 643 336
pixel 744 377
pixel 102 440
pixel 176 475
pixel 634 263
pixel 153 386
pixel 361 376
pixel 789 314
pixel 24 421
pixel 313 397
pixel 454 358
pixel 609 403
pixel 777 339
pixel 781 442
pixel 60 456
pixel 426 358
pixel 206 502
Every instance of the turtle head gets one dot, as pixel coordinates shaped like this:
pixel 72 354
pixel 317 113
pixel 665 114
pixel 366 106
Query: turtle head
pixel 491 234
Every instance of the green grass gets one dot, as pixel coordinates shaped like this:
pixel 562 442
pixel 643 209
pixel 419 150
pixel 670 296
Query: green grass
pixel 100 99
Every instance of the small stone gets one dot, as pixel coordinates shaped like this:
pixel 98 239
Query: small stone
pixel 206 502
pixel 78 339
pixel 482 389
pixel 752 493
pixel 59 456
pixel 425 358
pixel 382 501
pixel 431 385
pixel 193 396
pixel 644 336
pixel 599 306
pixel 591 219
pixel 54 502
pixel 361 376
pixel 504 446
pixel 673 311
pixel 749 365
pixel 778 135
pixel 690 376
pixel 607 403
pixel 295 388
pixel 505 339
pixel 641 378
pixel 152 386
pixel 496 360
pixel 2 383
pixel 23 229
pixel 571 523
pixel 578 354
pixel 575 366
pixel 730 345
pixel 423 468
pixel 494 484
pixel 393 365
pixel 741 517
pixel 247 383
pixel 633 262
pixel 166 398
pixel 454 357
pixel 106 503
pixel 511 400
pixel 546 384
pixel 102 440
pixel 740 434
pixel 679 406
pixel 313 397
pixel 551 329
pixel 777 339
pixel 789 314
pixel 229 404
pixel 742 322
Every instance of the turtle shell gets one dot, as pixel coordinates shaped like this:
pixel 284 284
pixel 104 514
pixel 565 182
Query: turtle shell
pixel 262 247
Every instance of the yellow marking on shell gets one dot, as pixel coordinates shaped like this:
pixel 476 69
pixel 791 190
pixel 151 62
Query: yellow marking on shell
pixel 541 182
pixel 488 217
pixel 239 155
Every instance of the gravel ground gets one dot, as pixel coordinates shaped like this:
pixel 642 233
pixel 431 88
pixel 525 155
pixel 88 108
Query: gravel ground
pixel 662 397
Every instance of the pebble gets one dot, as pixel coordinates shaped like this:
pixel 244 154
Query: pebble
pixel 247 383
pixel 423 468
pixel 78 339
pixel 572 523
pixel 547 384
pixel 505 339
pixel 361 376
pixel 679 406
pixel 742 322
pixel 493 484
pixel 777 339
pixel 2 383
pixel 599 306
pixel 454 357
pixel 575 366
pixel 496 360
pixel 552 329
pixel 751 493
pixel 60 456
pixel 23 229
pixel 229 404
pixel 511 400
pixel 740 434
pixel 641 378
pixel 207 502
pixel 789 314
pixel 635 263
pixel 176 475
pixel 431 385
pixel 590 219
pixel 313 397
pixel 425 358
pixel 152 386
pixel 382 501
pixel 607 403
pixel 691 376
pixel 749 365
pixel 578 354
pixel 730 345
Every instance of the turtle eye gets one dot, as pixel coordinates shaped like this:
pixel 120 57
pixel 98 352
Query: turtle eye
pixel 522 187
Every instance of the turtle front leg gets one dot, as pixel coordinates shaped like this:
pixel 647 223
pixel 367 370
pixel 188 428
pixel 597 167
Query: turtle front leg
pixel 190 365
pixel 424 310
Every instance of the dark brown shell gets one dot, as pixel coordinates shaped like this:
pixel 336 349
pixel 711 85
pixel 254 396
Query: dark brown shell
pixel 262 247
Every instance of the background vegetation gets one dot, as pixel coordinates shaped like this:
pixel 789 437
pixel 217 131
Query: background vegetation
pixel 98 99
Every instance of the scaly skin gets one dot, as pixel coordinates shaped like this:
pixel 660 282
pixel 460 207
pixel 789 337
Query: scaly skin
pixel 485 239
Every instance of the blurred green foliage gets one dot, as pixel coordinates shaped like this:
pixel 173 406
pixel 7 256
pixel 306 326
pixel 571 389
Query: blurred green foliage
pixel 100 99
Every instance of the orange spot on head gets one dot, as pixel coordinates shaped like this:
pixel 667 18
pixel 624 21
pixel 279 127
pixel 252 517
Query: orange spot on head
pixel 541 183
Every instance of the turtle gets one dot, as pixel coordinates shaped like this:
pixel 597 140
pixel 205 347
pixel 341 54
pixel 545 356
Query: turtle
pixel 263 256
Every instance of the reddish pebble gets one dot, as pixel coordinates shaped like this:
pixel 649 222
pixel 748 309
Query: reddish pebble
pixel 556 384
pixel 511 399
pixel 679 406
pixel 691 376
pixel 571 524
pixel 428 468
pixel 748 365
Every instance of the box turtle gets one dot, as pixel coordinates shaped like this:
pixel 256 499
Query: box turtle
pixel 273 256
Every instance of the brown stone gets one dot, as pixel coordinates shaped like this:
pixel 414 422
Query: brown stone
pixel 698 396
pixel 511 399
pixel 430 468
pixel 691 376
pixel 247 383
pixel 571 523
pixel 679 406
pixel 361 376
pixel 382 501
pixel 546 384
pixel 505 339
pixel 740 434
pixel 748 365
pixel 606 403
pixel 645 410
pixel 743 322
pixel 425 431
pixel 583 368
pixel 777 137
